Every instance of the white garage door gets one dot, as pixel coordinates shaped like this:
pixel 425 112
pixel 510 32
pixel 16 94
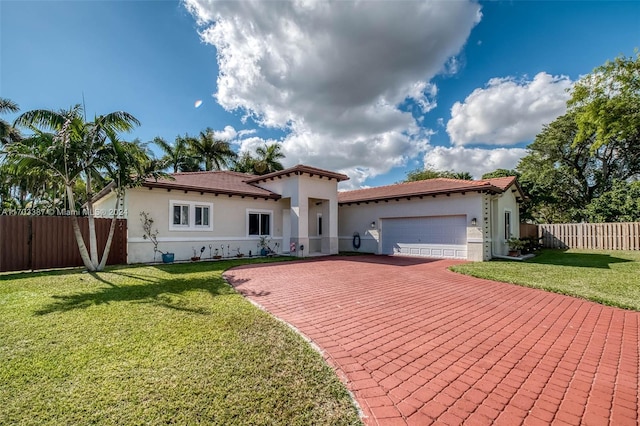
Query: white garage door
pixel 433 236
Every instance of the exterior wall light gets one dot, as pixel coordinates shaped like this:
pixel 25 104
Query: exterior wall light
pixel 474 221
pixel 373 224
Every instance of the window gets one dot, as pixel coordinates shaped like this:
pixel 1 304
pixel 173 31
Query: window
pixel 259 222
pixel 319 225
pixel 507 224
pixel 180 215
pixel 202 216
pixel 190 216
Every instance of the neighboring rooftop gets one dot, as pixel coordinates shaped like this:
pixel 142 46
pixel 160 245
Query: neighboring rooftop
pixel 426 187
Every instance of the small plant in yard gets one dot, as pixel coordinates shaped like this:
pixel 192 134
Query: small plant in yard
pixel 263 244
pixel 151 234
pixel 515 245
pixel 531 244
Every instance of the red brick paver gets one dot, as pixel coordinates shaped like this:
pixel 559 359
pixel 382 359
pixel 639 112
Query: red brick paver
pixel 418 344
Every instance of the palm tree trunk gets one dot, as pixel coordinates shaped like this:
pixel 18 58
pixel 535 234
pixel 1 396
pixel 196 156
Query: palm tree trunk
pixel 93 241
pixel 84 254
pixel 112 229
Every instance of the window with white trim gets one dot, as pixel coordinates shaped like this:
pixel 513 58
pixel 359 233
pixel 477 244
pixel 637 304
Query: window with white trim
pixel 507 224
pixel 190 216
pixel 180 215
pixel 259 222
pixel 202 216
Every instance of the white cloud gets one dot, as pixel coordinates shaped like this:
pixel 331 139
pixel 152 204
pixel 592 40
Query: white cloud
pixel 508 111
pixel 332 74
pixel 476 161
pixel 228 134
pixel 245 132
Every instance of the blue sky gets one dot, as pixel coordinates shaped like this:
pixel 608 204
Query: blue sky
pixel 372 89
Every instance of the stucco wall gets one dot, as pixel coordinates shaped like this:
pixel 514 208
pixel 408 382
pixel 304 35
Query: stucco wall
pixel 358 218
pixel 309 196
pixel 229 230
pixel 506 201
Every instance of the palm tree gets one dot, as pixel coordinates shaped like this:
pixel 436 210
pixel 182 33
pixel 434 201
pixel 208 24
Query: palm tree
pixel 244 163
pixel 76 150
pixel 215 153
pixel 126 165
pixel 268 156
pixel 8 133
pixel 177 155
pixel 31 185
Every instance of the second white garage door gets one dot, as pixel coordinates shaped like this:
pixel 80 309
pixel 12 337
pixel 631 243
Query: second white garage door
pixel 433 236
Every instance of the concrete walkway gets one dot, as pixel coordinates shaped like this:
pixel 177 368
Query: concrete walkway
pixel 417 344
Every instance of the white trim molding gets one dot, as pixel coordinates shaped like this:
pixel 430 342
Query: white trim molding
pixel 195 239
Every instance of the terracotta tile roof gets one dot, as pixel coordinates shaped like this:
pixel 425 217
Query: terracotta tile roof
pixel 425 187
pixel 216 182
pixel 503 182
pixel 301 169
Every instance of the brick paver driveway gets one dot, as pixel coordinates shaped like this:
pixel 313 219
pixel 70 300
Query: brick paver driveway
pixel 417 343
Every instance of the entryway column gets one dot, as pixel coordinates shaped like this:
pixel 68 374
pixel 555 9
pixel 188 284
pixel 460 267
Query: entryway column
pixel 300 224
pixel 330 225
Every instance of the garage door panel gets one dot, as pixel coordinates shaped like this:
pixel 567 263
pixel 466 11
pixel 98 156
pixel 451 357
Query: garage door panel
pixel 433 236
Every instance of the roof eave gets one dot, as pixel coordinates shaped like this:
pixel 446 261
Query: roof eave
pixel 173 186
pixel 298 171
pixel 489 188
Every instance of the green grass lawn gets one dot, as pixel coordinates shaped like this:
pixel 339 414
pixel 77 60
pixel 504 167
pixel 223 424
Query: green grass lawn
pixel 607 277
pixel 155 345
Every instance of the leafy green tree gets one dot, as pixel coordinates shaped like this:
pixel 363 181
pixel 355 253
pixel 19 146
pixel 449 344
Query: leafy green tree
pixel 244 163
pixel 73 151
pixel 427 173
pixel 214 153
pixel 578 157
pixel 607 107
pixel 558 176
pixel 459 175
pixel 498 173
pixel 268 159
pixel 620 204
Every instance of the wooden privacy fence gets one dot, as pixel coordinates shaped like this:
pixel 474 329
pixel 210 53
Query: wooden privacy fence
pixel 601 236
pixel 42 242
pixel 528 230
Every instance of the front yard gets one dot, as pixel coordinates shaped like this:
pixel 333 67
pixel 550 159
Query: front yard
pixel 155 345
pixel 607 277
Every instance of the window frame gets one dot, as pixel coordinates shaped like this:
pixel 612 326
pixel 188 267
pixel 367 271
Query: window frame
pixel 202 217
pixel 181 217
pixel 508 224
pixel 260 213
pixel 191 219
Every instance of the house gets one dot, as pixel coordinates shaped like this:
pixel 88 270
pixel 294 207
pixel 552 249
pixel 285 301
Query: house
pixel 301 212
pixel 444 218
